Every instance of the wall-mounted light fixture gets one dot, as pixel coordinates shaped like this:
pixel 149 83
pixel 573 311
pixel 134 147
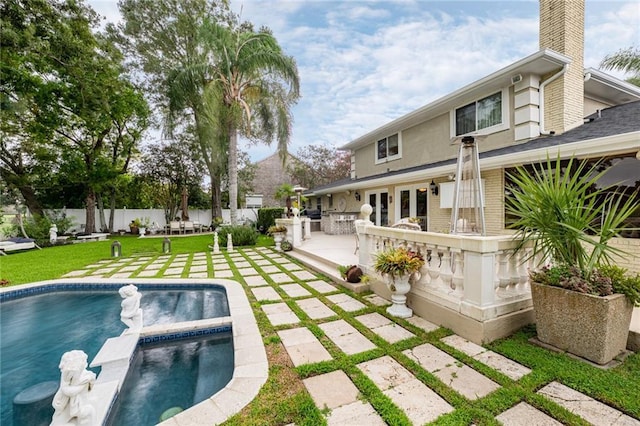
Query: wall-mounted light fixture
pixel 434 187
pixel 329 195
pixel 357 195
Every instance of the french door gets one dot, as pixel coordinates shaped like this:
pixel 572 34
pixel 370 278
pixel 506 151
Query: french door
pixel 379 200
pixel 412 202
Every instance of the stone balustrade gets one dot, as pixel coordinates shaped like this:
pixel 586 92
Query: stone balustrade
pixel 474 276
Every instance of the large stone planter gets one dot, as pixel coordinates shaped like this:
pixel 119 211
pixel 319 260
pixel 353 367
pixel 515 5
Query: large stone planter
pixel 592 327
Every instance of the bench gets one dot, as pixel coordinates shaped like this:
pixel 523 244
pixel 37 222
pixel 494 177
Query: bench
pixel 14 244
pixel 92 237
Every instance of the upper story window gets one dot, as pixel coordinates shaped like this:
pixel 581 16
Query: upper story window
pixel 486 113
pixel 389 148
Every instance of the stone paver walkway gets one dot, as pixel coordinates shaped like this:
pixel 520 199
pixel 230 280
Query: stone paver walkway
pixel 355 326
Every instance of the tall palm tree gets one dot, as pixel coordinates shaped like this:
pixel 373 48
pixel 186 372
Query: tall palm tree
pixel 252 88
pixel 627 60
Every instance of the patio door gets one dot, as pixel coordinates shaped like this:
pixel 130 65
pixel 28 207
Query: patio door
pixel 412 202
pixel 379 200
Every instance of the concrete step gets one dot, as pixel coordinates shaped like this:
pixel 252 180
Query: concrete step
pixel 326 267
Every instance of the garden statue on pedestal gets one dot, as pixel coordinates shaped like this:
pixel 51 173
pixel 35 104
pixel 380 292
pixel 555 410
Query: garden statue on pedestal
pixel 131 313
pixel 229 243
pixel 216 245
pixel 71 401
pixel 53 233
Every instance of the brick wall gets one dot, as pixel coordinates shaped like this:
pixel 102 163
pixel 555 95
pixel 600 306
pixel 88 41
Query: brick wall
pixel 562 30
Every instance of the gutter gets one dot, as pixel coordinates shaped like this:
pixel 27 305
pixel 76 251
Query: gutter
pixel 541 90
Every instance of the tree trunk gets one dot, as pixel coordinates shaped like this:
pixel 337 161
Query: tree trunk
pixel 233 175
pixel 90 218
pixel 112 208
pixel 30 200
pixel 216 204
pixel 103 222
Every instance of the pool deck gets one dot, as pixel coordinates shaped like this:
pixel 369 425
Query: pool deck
pixel 292 296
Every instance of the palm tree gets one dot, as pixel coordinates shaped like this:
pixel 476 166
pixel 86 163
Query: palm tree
pixel 627 60
pixel 253 85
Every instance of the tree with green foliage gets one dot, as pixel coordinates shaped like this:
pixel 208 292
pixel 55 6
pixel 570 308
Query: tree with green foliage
pixel 161 36
pixel 627 60
pixel 318 165
pixel 253 86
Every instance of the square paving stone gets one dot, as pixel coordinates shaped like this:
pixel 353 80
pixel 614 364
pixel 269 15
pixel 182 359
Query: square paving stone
pixel 593 411
pixel 463 345
pixel 255 281
pixel 280 278
pixel 346 337
pixel 198 268
pixel 198 275
pixel 242 265
pixel 303 347
pixel 121 275
pixel 225 273
pixel 420 404
pixel 422 323
pixel 218 259
pixel 147 273
pixel 346 302
pixel 265 293
pixel 173 271
pixel 222 267
pixel 263 262
pixel 271 269
pixel 198 262
pixel 315 308
pixel 506 366
pixel 385 372
pixel 452 372
pixel 374 299
pixel 331 390
pixel 356 413
pixel 178 265
pixel 130 268
pixel 523 414
pixel 393 333
pixel 295 290
pixel 279 314
pixel 373 320
pixel 322 287
pixel 303 275
pixel 290 266
pixel 247 271
pixel 76 273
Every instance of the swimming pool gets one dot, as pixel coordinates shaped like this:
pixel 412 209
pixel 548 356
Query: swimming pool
pixel 250 365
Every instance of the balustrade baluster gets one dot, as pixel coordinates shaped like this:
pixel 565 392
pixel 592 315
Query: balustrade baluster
pixel 446 274
pixel 434 267
pixel 503 273
pixel 458 273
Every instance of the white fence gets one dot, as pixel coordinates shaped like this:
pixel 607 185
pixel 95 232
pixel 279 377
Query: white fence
pixel 123 217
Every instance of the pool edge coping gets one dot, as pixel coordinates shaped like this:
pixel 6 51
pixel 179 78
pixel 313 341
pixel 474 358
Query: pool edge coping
pixel 251 367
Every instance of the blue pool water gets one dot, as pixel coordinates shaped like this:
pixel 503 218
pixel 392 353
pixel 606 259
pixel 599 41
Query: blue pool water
pixel 173 369
pixel 35 331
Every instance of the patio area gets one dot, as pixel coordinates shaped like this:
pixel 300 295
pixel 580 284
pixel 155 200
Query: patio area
pixel 361 366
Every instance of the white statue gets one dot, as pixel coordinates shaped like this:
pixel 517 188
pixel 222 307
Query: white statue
pixel 53 233
pixel 131 313
pixel 216 246
pixel 229 243
pixel 71 401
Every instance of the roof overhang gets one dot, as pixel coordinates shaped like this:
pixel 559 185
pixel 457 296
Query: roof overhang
pixel 541 62
pixel 606 88
pixel 597 147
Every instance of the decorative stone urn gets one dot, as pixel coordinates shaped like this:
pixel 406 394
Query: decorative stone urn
pixel 278 237
pixel 399 287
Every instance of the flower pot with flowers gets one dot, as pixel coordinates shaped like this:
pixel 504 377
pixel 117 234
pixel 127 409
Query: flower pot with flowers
pixel 278 232
pixel 564 215
pixel 397 265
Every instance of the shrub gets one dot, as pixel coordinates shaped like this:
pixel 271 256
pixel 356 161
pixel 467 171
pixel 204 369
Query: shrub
pixel 241 235
pixel 275 229
pixel 267 217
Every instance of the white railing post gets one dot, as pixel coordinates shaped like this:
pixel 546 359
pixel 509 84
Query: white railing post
pixel 479 268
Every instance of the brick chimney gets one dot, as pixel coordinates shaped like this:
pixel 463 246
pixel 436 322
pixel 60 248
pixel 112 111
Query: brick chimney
pixel 562 30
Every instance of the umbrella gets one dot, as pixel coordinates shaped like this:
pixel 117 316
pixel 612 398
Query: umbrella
pixel 184 206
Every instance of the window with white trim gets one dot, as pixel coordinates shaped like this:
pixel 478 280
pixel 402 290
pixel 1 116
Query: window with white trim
pixel 389 148
pixel 485 113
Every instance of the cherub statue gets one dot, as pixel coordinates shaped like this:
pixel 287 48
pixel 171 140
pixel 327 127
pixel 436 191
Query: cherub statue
pixel 131 313
pixel 71 401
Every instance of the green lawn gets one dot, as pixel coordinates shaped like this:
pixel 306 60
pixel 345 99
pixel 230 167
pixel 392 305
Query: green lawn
pixel 283 399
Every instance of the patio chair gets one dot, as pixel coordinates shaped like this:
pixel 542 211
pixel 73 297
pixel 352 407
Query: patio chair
pixel 404 223
pixel 188 226
pixel 17 243
pixel 174 226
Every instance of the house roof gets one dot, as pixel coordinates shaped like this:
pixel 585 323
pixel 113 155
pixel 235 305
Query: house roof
pixel 598 85
pixel 598 127
pixel 541 62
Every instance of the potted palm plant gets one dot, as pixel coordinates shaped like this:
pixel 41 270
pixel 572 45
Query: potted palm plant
pixel 397 265
pixel 563 215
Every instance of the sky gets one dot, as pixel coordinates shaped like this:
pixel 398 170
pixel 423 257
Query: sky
pixel 364 63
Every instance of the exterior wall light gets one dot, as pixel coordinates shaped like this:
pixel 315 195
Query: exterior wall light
pixel 434 187
pixel 357 195
pixel 116 249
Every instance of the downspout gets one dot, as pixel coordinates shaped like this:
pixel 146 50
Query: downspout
pixel 541 90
